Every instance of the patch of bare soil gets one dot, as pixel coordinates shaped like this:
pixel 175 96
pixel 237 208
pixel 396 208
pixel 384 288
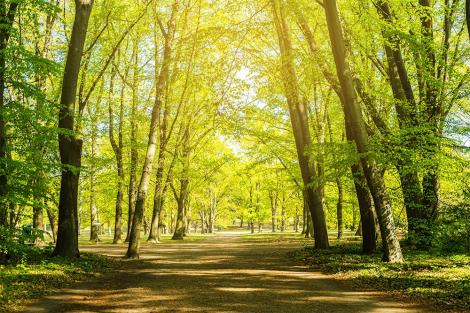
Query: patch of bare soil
pixel 225 274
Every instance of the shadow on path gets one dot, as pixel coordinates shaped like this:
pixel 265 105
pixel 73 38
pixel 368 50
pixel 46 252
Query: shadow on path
pixel 221 275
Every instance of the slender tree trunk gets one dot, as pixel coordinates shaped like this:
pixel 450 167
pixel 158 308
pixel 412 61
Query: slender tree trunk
pixel 52 222
pixel 158 196
pixel 134 239
pixel 69 146
pixel 339 208
pixel 117 149
pixel 299 121
pixel 274 200
pixel 283 213
pixel 392 249
pixel 94 222
pixel 132 189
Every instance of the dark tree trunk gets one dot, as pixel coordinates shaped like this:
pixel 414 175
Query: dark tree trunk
pixel 353 116
pixel 132 189
pixel 467 14
pixel 366 209
pixel 7 17
pixel 69 146
pixel 300 126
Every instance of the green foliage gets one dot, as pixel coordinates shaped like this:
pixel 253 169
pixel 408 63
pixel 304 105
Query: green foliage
pixel 453 227
pixel 16 244
pixel 431 277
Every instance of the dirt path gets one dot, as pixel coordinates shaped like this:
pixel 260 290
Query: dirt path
pixel 221 275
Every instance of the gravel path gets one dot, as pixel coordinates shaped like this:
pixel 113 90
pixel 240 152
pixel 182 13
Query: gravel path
pixel 226 274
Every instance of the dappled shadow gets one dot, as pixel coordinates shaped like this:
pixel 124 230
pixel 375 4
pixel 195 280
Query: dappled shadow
pixel 219 275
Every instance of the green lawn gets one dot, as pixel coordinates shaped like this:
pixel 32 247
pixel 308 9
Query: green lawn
pixel 36 276
pixel 437 278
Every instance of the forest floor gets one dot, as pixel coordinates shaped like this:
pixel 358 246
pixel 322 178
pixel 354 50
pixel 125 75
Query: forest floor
pixel 221 274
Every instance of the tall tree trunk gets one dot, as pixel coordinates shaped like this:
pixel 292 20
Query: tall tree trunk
pixel 283 212
pixel 132 189
pixel 7 17
pixel 353 116
pixel 300 126
pixel 94 222
pixel 69 146
pixel 117 148
pixel 134 239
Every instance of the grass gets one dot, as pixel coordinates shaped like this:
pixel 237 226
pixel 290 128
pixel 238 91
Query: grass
pixel 36 276
pixel 442 279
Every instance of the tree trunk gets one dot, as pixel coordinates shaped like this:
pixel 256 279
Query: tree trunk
pixel 339 208
pixel 52 222
pixel 132 189
pixel 467 14
pixel 366 209
pixel 117 149
pixel 69 146
pixel 134 239
pixel 353 116
pixel 7 17
pixel 300 126
pixel 180 227
pixel 94 222
pixel 274 200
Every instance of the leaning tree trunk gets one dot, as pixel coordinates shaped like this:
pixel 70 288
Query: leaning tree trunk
pixel 69 146
pixel 391 245
pixel 299 121
pixel 134 238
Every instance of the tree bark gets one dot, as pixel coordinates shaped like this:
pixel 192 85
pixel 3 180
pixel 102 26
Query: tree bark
pixel 300 126
pixel 7 17
pixel 117 149
pixel 52 222
pixel 391 245
pixel 132 189
pixel 69 146
pixel 134 239
pixel 339 208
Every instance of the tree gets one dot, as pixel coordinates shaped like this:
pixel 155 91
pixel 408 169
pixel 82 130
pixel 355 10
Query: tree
pixel 300 126
pixel 70 147
pixel 134 240
pixel 392 249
